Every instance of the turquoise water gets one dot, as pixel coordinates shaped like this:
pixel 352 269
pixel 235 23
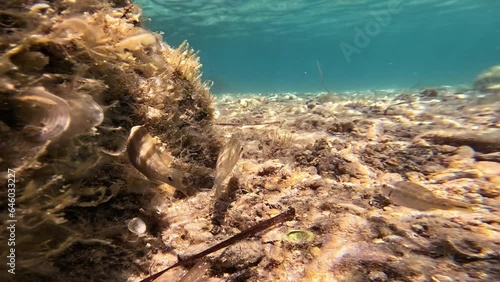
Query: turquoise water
pixel 274 46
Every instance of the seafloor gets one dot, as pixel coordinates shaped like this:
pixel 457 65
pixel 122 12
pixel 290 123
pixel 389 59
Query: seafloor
pixel 327 156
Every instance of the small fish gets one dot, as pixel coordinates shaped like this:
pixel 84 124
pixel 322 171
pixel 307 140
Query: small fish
pixel 418 197
pixel 144 154
pixel 228 157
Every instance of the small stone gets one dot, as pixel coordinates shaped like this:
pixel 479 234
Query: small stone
pixel 315 252
pixel 198 231
pixel 447 149
pixel 240 256
pixel 420 142
pixel 441 278
pixel 273 235
pixel 488 168
pixel 463 157
pixel 452 174
pixel 249 102
pixel 463 152
pixel 495 180
pixel 389 178
pixel 420 229
pixel 377 276
pixel 341 127
pixel 490 191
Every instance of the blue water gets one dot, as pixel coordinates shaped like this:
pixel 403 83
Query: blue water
pixel 274 46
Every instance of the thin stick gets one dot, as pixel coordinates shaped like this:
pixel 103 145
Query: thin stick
pixel 387 109
pixel 282 217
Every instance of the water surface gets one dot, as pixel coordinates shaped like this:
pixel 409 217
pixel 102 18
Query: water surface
pixel 273 46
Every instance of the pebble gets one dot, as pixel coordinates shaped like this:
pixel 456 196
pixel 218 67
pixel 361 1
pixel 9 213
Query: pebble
pixel 377 276
pixel 389 178
pixel 441 278
pixel 240 255
pixel 488 168
pixel 456 174
pixel 249 103
pixel 198 231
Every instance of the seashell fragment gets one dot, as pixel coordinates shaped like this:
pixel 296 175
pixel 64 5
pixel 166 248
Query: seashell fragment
pixel 45 115
pixel 146 157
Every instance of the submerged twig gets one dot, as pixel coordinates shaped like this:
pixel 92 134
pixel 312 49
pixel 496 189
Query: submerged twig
pixel 282 217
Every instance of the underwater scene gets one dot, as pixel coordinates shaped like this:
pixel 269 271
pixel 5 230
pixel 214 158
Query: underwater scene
pixel 237 140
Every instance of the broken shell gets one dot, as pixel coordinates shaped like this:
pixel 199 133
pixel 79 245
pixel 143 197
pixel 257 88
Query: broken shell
pixel 137 226
pixel 150 161
pixel 44 114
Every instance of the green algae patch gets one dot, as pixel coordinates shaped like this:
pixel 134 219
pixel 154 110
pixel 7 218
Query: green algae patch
pixel 298 237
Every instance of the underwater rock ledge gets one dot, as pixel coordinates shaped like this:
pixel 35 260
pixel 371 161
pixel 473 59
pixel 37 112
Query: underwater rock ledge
pixel 75 77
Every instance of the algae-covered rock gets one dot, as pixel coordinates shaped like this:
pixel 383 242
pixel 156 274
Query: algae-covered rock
pixel 75 77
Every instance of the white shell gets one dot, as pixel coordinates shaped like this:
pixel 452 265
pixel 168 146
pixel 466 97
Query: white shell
pixel 137 226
